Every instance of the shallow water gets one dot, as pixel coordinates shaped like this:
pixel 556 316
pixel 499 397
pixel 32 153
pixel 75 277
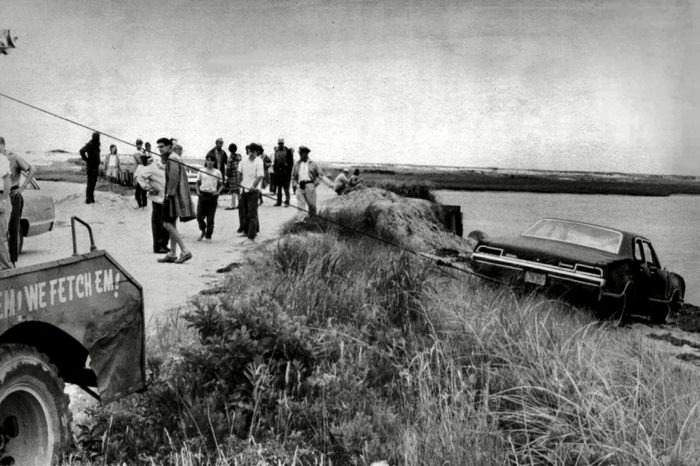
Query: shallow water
pixel 671 223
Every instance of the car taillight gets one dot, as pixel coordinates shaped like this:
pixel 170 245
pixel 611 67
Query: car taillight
pixel 590 270
pixel 489 250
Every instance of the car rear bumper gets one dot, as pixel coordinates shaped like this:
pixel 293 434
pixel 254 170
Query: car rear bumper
pixel 40 227
pixel 535 272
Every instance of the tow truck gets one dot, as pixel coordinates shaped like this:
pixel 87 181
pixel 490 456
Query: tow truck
pixel 78 320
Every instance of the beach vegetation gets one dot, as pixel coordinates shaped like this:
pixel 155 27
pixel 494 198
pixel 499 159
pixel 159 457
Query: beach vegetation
pixel 328 347
pixel 415 189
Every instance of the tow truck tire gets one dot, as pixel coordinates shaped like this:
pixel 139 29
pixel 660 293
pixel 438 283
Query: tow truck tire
pixel 34 416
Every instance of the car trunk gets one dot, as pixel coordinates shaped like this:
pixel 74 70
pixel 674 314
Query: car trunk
pixel 551 252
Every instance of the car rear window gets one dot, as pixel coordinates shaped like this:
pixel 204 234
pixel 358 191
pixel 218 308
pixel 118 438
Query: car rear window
pixel 590 236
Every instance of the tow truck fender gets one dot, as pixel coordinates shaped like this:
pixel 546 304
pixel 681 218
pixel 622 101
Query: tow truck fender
pixel 90 299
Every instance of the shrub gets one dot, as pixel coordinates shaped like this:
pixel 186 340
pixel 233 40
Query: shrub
pixel 411 189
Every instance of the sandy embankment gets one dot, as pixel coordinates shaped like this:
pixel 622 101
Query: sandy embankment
pixel 125 232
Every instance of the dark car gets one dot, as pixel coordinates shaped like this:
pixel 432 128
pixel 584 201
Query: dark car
pixel 619 271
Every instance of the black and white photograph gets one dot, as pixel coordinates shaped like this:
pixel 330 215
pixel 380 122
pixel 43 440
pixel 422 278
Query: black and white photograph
pixel 362 232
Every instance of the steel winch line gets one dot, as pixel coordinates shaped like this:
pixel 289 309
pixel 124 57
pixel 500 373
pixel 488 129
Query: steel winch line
pixel 437 262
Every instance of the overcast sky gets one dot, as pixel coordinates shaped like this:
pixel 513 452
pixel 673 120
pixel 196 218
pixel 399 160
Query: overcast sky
pixel 564 84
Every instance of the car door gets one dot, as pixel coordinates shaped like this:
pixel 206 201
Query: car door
pixel 652 279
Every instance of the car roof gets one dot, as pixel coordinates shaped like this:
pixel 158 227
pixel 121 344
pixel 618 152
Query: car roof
pixel 626 248
pixel 626 234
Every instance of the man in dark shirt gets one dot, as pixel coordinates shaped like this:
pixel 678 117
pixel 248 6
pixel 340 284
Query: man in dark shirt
pixel 283 163
pixel 91 154
pixel 221 158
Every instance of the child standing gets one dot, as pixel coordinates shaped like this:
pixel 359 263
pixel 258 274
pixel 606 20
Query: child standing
pixel 233 176
pixel 140 194
pixel 209 186
pixel 113 168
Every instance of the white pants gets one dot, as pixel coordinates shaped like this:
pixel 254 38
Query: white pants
pixel 307 197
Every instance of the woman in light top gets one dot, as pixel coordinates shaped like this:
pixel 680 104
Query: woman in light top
pixel 113 167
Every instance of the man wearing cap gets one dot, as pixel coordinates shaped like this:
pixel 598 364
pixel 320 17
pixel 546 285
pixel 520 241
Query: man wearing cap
pixel 340 183
pixel 283 162
pixel 306 175
pixel 220 156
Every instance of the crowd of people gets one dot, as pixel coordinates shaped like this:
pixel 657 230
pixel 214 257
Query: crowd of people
pixel 163 179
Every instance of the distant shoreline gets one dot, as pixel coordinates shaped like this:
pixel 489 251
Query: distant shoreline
pixel 474 179
pixel 551 182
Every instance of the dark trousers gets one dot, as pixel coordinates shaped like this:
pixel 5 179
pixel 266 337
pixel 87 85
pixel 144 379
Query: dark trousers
pixel 140 195
pixel 206 211
pixel 248 214
pixel 283 184
pixel 13 227
pixel 161 237
pixel 91 183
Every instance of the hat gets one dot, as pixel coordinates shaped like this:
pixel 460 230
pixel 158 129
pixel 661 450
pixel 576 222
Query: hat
pixel 304 149
pixel 220 140
pixel 280 141
pixel 346 170
pixel 255 147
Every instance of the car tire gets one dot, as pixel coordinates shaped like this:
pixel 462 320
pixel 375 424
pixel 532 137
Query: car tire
pixel 618 310
pixel 34 415
pixel 676 304
pixel 660 316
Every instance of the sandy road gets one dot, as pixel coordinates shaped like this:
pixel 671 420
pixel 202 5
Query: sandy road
pixel 125 232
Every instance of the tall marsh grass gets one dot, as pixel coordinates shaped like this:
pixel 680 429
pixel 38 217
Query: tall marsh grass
pixel 417 190
pixel 329 349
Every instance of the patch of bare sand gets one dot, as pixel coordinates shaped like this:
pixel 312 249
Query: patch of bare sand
pixel 125 232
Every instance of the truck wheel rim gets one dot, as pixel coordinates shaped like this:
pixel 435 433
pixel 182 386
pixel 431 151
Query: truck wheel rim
pixel 30 443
